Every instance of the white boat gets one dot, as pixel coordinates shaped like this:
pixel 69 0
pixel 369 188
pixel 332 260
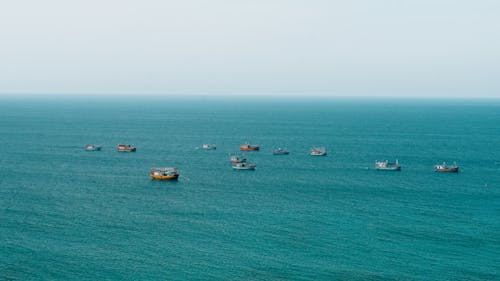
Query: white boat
pixel 93 147
pixel 318 151
pixel 387 166
pixel 280 151
pixel 209 146
pixel 244 166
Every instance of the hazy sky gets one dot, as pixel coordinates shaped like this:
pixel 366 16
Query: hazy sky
pixel 216 47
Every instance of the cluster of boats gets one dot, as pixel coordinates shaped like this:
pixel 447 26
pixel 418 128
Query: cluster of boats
pixel 240 162
pixel 394 166
pixel 120 147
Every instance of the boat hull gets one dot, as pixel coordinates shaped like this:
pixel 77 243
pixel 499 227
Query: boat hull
pixel 249 148
pixel 389 169
pixel 318 154
pixel 447 170
pixel 244 168
pixel 280 151
pixel 164 178
pixel 126 149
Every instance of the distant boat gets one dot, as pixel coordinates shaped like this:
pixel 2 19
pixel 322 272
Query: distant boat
pixel 249 147
pixel 387 166
pixel 168 173
pixel 93 147
pixel 244 166
pixel 126 148
pixel 209 146
pixel 237 159
pixel 280 151
pixel 446 169
pixel 318 151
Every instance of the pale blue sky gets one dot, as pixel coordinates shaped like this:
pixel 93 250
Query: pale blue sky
pixel 262 47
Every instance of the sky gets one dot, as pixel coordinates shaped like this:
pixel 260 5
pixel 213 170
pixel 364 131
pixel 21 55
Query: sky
pixel 402 48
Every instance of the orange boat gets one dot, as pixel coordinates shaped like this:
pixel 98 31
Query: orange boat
pixel 249 147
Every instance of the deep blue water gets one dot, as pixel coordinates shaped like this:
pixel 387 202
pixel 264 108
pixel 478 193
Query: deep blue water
pixel 70 214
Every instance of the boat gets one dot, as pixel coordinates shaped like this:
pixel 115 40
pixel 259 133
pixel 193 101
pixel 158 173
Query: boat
pixel 93 147
pixel 209 146
pixel 126 148
pixel 280 151
pixel 249 147
pixel 168 173
pixel 244 166
pixel 318 151
pixel 237 159
pixel 446 169
pixel 387 166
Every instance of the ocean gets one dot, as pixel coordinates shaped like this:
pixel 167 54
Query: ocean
pixel 70 214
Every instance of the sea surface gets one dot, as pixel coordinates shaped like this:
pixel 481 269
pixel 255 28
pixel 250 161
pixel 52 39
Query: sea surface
pixel 69 214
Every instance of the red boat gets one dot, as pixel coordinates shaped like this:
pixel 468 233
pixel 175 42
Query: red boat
pixel 446 169
pixel 249 147
pixel 126 148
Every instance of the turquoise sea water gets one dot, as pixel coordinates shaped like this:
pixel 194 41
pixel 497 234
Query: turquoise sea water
pixel 70 214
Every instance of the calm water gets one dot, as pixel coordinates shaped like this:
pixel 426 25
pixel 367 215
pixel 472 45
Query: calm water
pixel 70 214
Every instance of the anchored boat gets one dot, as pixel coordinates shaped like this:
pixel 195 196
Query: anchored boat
pixel 167 173
pixel 237 159
pixel 209 146
pixel 446 169
pixel 280 151
pixel 249 147
pixel 93 147
pixel 318 151
pixel 244 166
pixel 387 166
pixel 126 148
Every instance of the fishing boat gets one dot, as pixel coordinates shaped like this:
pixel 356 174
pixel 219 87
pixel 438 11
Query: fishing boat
pixel 168 173
pixel 249 147
pixel 126 148
pixel 446 169
pixel 237 159
pixel 93 147
pixel 244 166
pixel 209 146
pixel 387 166
pixel 280 151
pixel 318 151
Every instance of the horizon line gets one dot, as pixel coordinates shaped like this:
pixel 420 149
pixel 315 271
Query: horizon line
pixel 239 96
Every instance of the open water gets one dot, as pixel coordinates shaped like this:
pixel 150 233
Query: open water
pixel 70 214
